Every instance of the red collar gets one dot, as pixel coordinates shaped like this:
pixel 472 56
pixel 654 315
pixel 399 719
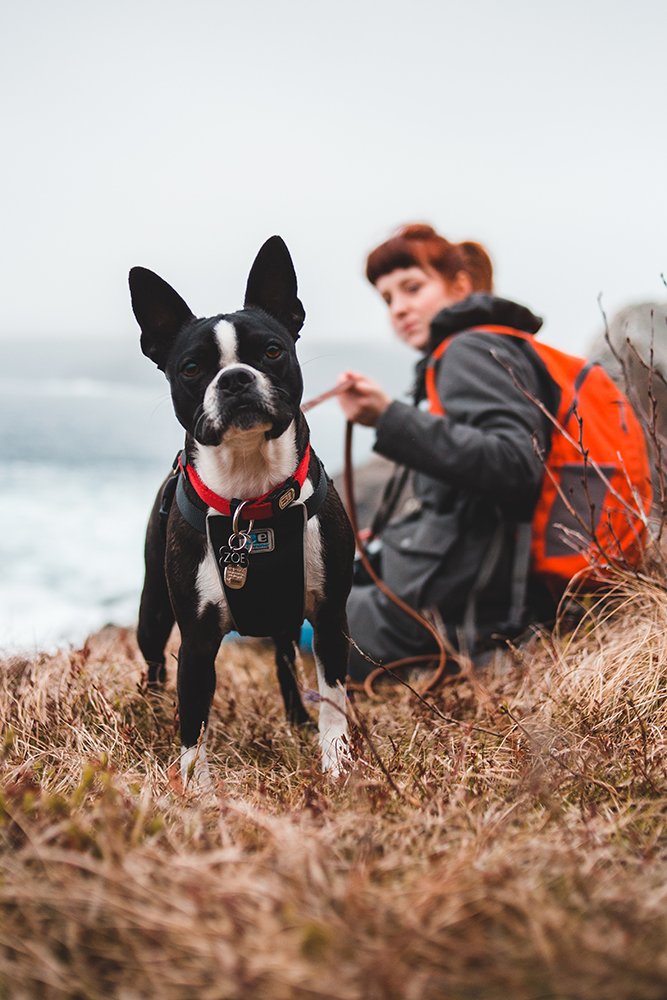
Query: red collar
pixel 255 508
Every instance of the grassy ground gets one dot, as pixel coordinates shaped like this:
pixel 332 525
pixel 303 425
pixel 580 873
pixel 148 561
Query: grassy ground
pixel 512 845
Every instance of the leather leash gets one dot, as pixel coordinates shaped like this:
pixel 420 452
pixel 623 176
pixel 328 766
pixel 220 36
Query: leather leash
pixel 348 479
pixel 329 394
pixel 435 679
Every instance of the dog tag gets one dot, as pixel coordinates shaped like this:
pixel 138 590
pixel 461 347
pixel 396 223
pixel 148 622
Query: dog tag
pixel 235 576
pixel 235 564
pixel 234 559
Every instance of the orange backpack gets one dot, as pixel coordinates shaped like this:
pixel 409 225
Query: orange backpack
pixel 596 472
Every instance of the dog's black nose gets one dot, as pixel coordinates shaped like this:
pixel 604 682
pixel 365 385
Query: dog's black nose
pixel 235 380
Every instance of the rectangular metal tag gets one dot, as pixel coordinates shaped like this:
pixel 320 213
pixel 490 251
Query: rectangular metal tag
pixel 263 540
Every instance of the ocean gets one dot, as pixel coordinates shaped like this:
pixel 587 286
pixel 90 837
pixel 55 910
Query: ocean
pixel 87 434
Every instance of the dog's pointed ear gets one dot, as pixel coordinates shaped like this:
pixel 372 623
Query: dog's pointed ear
pixel 272 286
pixel 160 312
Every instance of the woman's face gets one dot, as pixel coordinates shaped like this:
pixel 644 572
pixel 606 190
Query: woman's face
pixel 414 296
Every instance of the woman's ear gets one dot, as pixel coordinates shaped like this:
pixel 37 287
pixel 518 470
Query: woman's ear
pixel 461 286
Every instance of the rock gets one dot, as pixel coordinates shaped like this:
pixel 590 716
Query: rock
pixel 626 356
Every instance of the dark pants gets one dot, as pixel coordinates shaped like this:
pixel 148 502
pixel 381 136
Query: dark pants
pixel 382 631
pixel 385 633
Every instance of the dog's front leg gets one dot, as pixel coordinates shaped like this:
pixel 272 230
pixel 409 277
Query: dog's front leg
pixel 289 688
pixel 330 647
pixel 156 617
pixel 196 687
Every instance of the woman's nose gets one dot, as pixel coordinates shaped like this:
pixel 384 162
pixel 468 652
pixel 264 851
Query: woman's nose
pixel 398 307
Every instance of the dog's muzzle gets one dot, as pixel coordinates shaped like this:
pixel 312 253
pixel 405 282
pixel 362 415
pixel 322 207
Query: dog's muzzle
pixel 240 397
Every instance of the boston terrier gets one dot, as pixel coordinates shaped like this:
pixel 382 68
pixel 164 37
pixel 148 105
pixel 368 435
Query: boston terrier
pixel 248 533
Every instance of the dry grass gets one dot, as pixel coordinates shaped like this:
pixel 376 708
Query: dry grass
pixel 522 853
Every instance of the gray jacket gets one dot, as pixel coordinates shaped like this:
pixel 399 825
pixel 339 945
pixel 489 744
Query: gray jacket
pixel 477 470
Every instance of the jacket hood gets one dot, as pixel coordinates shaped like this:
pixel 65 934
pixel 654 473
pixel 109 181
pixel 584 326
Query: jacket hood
pixel 481 309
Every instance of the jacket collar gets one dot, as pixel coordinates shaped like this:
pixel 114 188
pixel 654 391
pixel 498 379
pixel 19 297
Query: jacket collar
pixel 481 309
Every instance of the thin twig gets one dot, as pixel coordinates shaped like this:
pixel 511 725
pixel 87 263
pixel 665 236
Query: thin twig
pixel 432 707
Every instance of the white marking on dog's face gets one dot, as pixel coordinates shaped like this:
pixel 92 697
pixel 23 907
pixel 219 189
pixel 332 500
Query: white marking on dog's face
pixel 225 334
pixel 332 725
pixel 214 406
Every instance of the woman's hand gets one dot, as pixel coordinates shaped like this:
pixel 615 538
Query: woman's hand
pixel 364 401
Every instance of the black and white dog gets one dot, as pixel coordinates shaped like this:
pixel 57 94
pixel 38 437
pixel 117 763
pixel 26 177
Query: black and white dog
pixel 249 532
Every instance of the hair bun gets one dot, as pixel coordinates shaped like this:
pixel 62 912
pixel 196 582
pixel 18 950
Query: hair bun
pixel 478 264
pixel 417 231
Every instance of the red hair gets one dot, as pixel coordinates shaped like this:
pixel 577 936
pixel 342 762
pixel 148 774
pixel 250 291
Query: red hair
pixel 419 245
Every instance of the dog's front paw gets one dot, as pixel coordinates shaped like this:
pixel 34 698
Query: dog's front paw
pixel 195 773
pixel 336 758
pixel 333 731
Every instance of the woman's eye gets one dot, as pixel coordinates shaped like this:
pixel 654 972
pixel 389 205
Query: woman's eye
pixel 191 369
pixel 273 351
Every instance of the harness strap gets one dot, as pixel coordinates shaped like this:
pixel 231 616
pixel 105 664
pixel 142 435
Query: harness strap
pixel 524 534
pixel 166 501
pixel 319 494
pixel 430 373
pixel 196 517
pixel 578 382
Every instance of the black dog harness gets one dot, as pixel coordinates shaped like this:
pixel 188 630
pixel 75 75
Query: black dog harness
pixel 262 569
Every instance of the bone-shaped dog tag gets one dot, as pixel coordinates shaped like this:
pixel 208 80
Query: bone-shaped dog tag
pixel 234 558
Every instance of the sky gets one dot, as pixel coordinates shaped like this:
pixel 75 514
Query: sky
pixel 180 134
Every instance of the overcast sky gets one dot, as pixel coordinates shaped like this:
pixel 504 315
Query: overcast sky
pixel 180 134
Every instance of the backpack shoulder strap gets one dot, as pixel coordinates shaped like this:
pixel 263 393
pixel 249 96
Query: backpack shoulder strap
pixel 435 405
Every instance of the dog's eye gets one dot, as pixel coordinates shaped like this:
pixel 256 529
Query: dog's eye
pixel 191 369
pixel 273 351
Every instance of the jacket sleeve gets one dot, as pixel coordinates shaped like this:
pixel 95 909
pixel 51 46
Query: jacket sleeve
pixel 484 443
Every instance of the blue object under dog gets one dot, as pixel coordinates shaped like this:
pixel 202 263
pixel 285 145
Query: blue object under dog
pixel 305 645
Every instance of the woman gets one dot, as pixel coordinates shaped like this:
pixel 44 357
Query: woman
pixel 477 466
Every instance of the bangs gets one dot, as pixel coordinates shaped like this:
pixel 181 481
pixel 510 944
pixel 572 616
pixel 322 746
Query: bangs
pixel 418 245
pixel 395 253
